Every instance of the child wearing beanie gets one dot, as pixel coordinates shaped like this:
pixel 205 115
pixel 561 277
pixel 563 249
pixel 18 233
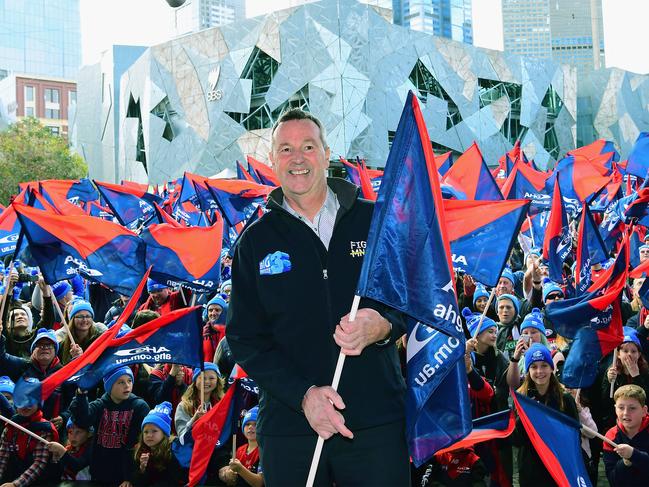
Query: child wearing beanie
pixel 155 464
pixel 243 469
pixel 74 458
pixel 542 385
pixel 116 418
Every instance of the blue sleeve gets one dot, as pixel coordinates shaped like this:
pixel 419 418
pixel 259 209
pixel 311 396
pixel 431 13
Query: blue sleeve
pixel 640 460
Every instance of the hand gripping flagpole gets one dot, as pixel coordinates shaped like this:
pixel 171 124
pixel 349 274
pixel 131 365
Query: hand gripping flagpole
pixel 334 384
pixel 612 388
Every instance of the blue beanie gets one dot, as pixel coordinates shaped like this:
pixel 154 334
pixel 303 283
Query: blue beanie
pixel 533 320
pixel 513 299
pixel 508 274
pixel 224 284
pixel 153 286
pixel 60 289
pixel 206 366
pixel 631 336
pixel 28 400
pixel 644 246
pixel 480 292
pixel 81 305
pixel 538 353
pixel 551 287
pixel 219 301
pixel 45 333
pixel 71 423
pixel 251 415
pixel 111 377
pixel 161 417
pixel 533 251
pixel 6 385
pixel 472 320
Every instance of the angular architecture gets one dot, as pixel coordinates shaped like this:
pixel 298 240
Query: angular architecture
pixel 201 102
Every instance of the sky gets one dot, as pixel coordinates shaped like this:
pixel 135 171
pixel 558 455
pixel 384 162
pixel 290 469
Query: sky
pixel 149 22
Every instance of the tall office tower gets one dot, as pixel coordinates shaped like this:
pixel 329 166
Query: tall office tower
pixel 446 18
pixel 40 38
pixel 563 30
pixel 195 15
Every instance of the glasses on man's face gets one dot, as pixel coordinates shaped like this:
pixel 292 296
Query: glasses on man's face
pixel 553 297
pixel 45 345
pixel 82 317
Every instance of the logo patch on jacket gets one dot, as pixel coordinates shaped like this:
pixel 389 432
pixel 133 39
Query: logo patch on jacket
pixel 275 263
pixel 357 249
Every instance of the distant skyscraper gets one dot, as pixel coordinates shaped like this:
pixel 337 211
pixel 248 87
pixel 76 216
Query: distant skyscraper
pixel 446 18
pixel 558 29
pixel 197 15
pixel 40 38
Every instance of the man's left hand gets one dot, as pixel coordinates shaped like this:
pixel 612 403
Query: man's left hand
pixel 353 336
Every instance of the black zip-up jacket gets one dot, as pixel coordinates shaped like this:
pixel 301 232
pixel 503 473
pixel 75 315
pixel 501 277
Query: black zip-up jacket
pixel 280 326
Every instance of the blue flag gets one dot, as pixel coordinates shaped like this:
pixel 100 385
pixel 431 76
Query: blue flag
pixel 638 160
pixel 556 439
pixel 407 266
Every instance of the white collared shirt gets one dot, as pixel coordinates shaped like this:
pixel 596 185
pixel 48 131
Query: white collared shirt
pixel 323 221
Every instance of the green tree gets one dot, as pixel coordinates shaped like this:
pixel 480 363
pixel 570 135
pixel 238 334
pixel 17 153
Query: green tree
pixel 30 152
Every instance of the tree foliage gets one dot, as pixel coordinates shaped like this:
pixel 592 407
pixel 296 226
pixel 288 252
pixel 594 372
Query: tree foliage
pixel 30 152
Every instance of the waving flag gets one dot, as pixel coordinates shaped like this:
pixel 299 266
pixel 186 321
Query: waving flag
pixel 27 392
pixel 187 254
pixel 78 192
pixel 444 162
pixel 9 231
pixel 174 338
pixel 556 439
pixel 407 266
pixel 593 320
pixel 237 199
pixel 526 183
pixel 101 251
pixel 470 175
pixel 243 174
pixel 263 172
pixel 131 206
pixel 187 213
pixel 481 246
pixel 638 160
pixel 497 425
pixel 598 148
pixel 590 250
pixel 558 241
pixel 214 428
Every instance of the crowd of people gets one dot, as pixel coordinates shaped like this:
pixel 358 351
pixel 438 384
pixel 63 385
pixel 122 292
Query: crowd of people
pixel 285 298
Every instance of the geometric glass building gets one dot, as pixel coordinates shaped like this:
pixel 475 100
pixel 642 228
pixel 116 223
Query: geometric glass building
pixel 203 101
pixel 446 18
pixel 40 38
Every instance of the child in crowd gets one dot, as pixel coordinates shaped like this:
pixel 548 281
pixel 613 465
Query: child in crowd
pixel 116 418
pixel 155 464
pixel 75 457
pixel 628 464
pixel 542 385
pixel 6 399
pixel 243 470
pixel 23 459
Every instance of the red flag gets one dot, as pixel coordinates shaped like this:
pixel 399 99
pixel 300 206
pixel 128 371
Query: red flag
pixel 265 173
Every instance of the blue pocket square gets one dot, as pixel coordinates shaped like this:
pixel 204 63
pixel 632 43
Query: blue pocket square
pixel 275 263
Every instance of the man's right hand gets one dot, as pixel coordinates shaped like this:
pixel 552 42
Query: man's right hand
pixel 320 406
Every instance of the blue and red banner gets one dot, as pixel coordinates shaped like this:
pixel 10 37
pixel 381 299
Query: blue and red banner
pixel 9 231
pixel 131 206
pixel 470 175
pixel 557 242
pixel 638 160
pixel 485 428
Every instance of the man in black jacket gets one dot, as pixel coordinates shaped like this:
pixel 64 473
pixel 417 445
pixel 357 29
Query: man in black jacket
pixel 294 277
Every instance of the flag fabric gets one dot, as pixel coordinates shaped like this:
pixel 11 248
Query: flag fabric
pixel 243 174
pixel 78 192
pixel 481 245
pixel 174 338
pixel 367 188
pixel 214 428
pixel 99 250
pixel 27 392
pixel 491 427
pixel 237 199
pixel 557 242
pixel 590 250
pixel 407 266
pixel 131 206
pixel 444 162
pixel 263 172
pixel 638 160
pixel 526 183
pixel 470 175
pixel 191 255
pixel 9 231
pixel 556 439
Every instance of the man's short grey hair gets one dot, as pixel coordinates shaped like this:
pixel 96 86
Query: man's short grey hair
pixel 299 114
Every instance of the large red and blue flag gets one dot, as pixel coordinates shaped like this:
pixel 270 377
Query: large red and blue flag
pixel 590 250
pixel 407 266
pixel 470 175
pixel 178 254
pixel 237 199
pixel 481 245
pixel 131 206
pixel 556 439
pixel 101 251
pixel 262 172
pixel 557 242
pixel 243 174
pixel 444 162
pixel 9 231
pixel 526 183
pixel 485 428
pixel 78 192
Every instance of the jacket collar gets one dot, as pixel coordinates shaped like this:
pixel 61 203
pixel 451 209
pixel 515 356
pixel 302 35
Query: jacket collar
pixel 346 192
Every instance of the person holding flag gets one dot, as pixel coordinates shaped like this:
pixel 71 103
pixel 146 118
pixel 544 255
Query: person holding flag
pixel 294 277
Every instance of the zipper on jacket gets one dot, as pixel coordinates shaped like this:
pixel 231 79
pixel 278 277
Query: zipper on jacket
pixel 324 274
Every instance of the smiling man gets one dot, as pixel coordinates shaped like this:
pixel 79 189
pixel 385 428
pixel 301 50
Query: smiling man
pixel 293 281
